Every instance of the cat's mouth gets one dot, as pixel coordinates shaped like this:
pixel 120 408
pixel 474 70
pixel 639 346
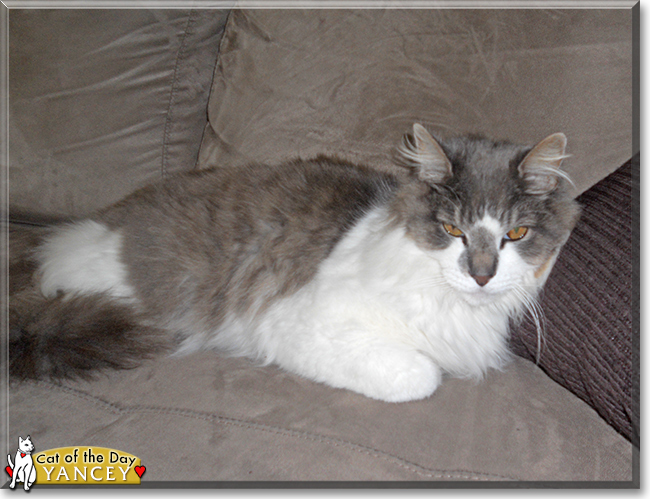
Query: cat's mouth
pixel 477 295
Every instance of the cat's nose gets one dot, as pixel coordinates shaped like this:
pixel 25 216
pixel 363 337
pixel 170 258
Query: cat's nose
pixel 482 280
pixel 482 258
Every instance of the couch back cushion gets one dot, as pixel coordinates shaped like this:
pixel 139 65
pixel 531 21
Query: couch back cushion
pixel 351 82
pixel 104 101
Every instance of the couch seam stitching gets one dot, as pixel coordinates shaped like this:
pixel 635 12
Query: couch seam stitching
pixel 336 442
pixel 172 94
pixel 217 64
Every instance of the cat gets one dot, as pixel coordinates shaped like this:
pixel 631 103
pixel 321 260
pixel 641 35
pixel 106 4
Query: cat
pixel 23 469
pixel 377 282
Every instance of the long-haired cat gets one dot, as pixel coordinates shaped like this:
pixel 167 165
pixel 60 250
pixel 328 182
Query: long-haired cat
pixel 375 282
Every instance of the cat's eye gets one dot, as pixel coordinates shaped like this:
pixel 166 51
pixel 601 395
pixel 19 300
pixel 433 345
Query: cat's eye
pixel 516 233
pixel 453 230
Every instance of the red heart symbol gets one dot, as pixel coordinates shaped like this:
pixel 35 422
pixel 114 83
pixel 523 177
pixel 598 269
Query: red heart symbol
pixel 10 471
pixel 139 470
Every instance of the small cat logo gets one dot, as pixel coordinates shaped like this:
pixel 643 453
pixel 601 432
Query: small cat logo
pixel 23 469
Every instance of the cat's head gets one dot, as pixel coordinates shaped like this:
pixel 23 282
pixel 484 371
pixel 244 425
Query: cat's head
pixel 494 214
pixel 25 444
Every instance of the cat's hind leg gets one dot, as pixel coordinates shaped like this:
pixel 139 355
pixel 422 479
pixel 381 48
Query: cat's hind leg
pixel 71 310
pixel 82 257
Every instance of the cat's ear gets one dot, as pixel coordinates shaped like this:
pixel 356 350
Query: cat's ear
pixel 423 152
pixel 540 169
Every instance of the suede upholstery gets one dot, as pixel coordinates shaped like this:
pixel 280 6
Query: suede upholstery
pixel 92 118
pixel 351 83
pixel 250 423
pixel 103 102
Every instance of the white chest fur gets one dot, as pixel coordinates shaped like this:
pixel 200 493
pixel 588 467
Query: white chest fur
pixel 379 319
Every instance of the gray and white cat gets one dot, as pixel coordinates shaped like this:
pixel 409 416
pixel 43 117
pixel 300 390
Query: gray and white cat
pixel 375 282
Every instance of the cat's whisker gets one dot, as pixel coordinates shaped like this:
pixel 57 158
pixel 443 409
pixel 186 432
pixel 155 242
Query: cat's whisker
pixel 565 176
pixel 537 314
pixel 440 283
pixel 557 172
pixel 430 281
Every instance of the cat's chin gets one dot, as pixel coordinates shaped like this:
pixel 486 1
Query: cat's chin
pixel 481 297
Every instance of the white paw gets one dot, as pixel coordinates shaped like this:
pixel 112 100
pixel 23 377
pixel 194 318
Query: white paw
pixel 398 376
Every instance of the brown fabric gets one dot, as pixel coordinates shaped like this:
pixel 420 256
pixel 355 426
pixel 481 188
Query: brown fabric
pixel 351 82
pixel 590 346
pixel 104 101
pixel 206 418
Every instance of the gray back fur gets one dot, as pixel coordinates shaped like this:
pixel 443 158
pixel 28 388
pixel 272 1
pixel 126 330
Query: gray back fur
pixel 231 241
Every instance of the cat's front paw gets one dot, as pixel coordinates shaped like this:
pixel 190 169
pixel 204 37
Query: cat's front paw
pixel 400 376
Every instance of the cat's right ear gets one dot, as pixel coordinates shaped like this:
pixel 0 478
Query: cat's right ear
pixel 422 151
pixel 540 169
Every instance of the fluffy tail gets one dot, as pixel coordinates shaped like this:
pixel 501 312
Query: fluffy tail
pixel 69 336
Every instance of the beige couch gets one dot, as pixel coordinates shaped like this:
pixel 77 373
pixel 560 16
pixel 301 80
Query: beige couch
pixel 103 102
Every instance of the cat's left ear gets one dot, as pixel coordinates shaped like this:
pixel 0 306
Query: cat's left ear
pixel 423 152
pixel 540 169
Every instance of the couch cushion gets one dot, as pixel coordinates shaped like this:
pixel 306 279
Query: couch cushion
pixel 104 101
pixel 249 423
pixel 209 418
pixel 590 345
pixel 351 82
